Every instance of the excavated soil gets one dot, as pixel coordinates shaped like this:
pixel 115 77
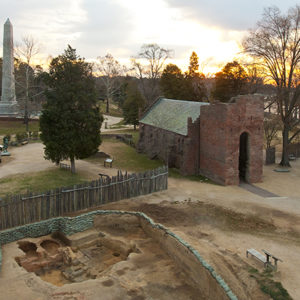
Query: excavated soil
pixel 106 262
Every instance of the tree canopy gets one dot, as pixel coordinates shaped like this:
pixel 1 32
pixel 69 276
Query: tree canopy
pixel 70 121
pixel 172 82
pixel 111 71
pixel 148 67
pixel 184 86
pixel 275 46
pixel 134 101
pixel 194 64
pixel 230 82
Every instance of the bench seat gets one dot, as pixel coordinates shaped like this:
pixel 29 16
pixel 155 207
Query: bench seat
pixel 257 255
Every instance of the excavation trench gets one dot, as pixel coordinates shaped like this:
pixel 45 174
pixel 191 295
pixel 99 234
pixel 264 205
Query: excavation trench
pixel 117 249
pixel 62 260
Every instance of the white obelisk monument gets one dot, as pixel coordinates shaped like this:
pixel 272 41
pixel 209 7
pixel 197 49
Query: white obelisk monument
pixel 8 103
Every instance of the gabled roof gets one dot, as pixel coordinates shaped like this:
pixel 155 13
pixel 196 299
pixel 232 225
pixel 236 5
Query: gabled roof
pixel 172 115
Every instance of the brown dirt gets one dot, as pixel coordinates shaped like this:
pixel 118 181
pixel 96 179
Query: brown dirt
pixel 148 273
pixel 222 235
pixel 221 222
pixel 54 277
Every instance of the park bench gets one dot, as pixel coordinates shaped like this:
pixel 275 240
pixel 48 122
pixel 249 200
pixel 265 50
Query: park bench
pixel 108 161
pixel 264 259
pixel 64 166
pixel 292 157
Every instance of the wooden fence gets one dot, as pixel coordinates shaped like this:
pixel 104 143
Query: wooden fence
pixel 29 208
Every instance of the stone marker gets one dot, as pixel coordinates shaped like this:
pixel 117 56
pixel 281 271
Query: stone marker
pixel 8 103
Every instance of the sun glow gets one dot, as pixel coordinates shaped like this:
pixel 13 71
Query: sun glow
pixel 168 27
pixel 55 26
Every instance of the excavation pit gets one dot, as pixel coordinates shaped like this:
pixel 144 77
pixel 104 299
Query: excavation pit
pixel 123 255
pixel 90 254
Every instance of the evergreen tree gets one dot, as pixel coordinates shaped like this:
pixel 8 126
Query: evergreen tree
pixel 183 86
pixel 195 80
pixel 230 82
pixel 70 121
pixel 134 101
pixel 194 64
pixel 172 82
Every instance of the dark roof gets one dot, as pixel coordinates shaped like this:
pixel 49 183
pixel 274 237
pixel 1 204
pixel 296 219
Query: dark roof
pixel 172 115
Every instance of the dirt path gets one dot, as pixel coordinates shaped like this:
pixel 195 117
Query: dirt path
pixel 30 158
pixel 112 121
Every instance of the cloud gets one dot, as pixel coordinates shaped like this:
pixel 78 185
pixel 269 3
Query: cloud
pixel 121 27
pixel 93 27
pixel 107 29
pixel 229 14
pixel 52 23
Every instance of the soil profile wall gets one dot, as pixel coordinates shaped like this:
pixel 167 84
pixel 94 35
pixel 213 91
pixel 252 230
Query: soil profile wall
pixel 203 275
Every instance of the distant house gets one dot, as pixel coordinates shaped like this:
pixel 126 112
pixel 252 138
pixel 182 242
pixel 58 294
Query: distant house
pixel 222 141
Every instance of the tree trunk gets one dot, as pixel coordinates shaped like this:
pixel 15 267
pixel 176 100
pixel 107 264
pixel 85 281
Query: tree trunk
pixel 72 165
pixel 285 141
pixel 134 126
pixel 26 121
pixel 26 115
pixel 107 106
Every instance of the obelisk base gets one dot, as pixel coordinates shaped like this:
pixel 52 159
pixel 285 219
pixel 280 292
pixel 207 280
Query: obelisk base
pixel 9 109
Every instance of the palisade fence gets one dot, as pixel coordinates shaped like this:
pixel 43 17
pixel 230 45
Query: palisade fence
pixel 29 208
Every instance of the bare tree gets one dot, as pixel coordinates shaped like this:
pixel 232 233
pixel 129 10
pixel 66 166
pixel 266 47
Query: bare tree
pixel 272 125
pixel 25 53
pixel 148 66
pixel 275 45
pixel 110 71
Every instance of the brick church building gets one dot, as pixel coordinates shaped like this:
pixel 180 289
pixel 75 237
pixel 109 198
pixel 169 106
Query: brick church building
pixel 222 141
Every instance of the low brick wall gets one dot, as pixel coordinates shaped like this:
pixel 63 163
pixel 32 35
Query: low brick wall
pixel 203 275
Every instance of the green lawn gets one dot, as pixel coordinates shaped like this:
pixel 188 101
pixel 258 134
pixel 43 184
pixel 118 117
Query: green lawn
pixel 114 110
pixel 134 133
pixel 125 157
pixel 174 173
pixel 38 181
pixel 13 127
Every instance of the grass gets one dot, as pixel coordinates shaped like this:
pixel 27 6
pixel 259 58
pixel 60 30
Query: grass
pixel 134 133
pixel 125 157
pixel 38 181
pixel 14 127
pixel 119 125
pixel 114 110
pixel 270 287
pixel 174 173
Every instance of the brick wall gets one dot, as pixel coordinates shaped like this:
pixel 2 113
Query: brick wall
pixel 180 151
pixel 211 146
pixel 221 125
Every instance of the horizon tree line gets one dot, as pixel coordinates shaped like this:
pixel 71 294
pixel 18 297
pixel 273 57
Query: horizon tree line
pixel 274 46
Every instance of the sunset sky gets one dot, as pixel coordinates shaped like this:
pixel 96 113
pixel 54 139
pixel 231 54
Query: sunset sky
pixel 212 28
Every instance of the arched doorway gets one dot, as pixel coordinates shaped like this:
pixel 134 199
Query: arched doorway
pixel 244 157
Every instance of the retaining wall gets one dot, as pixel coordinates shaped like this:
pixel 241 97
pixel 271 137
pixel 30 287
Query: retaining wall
pixel 203 275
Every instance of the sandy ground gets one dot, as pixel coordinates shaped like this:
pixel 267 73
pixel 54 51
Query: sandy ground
pixel 220 222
